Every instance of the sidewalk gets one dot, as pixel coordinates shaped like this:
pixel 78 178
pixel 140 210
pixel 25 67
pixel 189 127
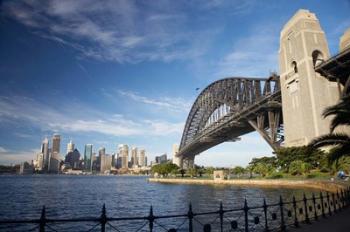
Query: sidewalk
pixel 338 222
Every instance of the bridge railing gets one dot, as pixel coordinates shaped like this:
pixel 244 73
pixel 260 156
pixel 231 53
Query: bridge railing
pixel 264 217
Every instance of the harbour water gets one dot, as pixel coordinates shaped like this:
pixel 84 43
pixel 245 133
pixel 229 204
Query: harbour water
pixel 22 197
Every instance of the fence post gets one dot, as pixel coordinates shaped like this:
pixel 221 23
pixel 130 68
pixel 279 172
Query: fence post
pixel 151 219
pixel 296 223
pixel 322 205
pixel 221 212
pixel 315 209
pixel 190 218
pixel 246 209
pixel 334 207
pixel 339 201
pixel 283 226
pixel 329 205
pixel 103 219
pixel 265 215
pixel 342 198
pixel 42 220
pixel 307 219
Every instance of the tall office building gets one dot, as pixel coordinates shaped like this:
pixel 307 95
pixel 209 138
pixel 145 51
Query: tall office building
pixel 54 154
pixel 70 147
pixel 142 158
pixel 45 152
pixel 88 158
pixel 134 158
pixel 39 162
pixel 56 142
pixel 161 159
pixel 124 153
pixel 72 158
pixel 119 161
pixel 114 161
pixel 102 159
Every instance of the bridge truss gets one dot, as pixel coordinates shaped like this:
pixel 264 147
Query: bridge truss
pixel 230 108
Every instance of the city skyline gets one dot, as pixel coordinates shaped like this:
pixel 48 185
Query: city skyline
pixel 135 86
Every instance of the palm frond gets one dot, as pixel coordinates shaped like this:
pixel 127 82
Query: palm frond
pixel 338 152
pixel 339 120
pixel 330 139
pixel 343 106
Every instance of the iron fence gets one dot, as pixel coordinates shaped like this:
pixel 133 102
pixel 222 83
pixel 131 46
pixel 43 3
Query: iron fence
pixel 266 217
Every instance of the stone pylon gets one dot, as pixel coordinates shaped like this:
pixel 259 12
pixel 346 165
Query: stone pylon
pixel 305 94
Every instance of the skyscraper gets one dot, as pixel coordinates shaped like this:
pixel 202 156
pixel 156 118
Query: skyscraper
pixel 54 162
pixel 102 159
pixel 142 156
pixel 88 158
pixel 56 142
pixel 46 154
pixel 124 153
pixel 72 158
pixel 134 158
pixel 70 147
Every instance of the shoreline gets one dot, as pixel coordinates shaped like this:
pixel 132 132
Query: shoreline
pixel 330 186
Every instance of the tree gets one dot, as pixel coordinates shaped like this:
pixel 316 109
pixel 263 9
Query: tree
pixel 262 166
pixel 192 172
pixel 182 172
pixel 298 167
pixel 209 170
pixel 238 170
pixel 265 160
pixel 164 169
pixel 263 169
pixel 314 157
pixel 340 141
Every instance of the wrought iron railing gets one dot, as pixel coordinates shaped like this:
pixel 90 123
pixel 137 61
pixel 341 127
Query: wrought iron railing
pixel 265 217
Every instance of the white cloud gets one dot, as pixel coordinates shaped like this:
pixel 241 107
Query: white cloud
pixel 2 150
pixel 121 31
pixel 49 118
pixel 231 154
pixel 14 157
pixel 253 55
pixel 173 104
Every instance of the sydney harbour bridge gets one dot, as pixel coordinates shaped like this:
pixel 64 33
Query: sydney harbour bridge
pixel 231 107
pixel 285 109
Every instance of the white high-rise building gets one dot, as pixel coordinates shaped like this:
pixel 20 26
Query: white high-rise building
pixel 39 162
pixel 70 147
pixel 124 154
pixel 134 157
pixel 142 158
pixel 45 152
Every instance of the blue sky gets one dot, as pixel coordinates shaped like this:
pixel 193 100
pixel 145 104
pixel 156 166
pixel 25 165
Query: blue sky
pixel 111 72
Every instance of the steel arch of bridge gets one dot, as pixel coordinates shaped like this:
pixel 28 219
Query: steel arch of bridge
pixel 231 107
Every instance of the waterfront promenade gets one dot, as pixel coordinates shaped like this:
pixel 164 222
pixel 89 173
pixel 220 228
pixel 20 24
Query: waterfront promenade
pixel 336 223
pixel 325 185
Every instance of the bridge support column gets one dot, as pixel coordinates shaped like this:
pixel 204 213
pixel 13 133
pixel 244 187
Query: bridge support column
pixel 188 162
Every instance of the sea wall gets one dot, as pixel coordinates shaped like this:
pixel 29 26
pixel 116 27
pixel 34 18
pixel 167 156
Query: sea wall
pixel 325 185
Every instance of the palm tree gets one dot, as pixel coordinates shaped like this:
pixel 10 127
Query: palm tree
pixel 340 141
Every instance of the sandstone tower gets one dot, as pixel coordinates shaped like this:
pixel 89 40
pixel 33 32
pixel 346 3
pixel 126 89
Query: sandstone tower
pixel 305 94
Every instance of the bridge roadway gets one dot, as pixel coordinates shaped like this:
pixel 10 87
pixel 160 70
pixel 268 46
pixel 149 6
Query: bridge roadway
pixel 261 112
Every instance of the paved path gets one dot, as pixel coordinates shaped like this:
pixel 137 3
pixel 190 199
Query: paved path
pixel 336 223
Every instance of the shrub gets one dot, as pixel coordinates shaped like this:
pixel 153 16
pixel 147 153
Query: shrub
pixel 276 175
pixel 299 167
